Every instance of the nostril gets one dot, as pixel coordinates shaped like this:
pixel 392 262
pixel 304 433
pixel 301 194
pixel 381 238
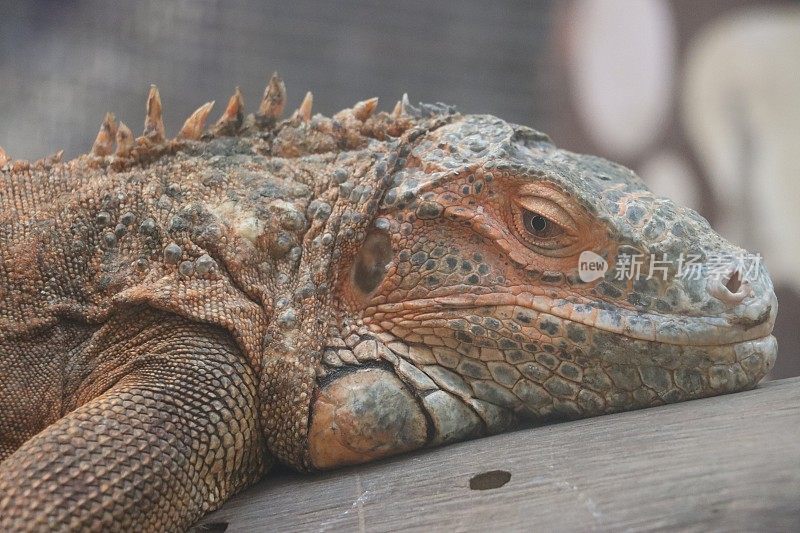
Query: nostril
pixel 734 283
pixel 732 291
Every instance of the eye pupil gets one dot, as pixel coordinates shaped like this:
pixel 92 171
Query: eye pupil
pixel 540 227
pixel 538 223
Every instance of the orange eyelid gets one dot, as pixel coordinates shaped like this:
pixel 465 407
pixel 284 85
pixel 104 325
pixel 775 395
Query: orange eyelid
pixel 548 209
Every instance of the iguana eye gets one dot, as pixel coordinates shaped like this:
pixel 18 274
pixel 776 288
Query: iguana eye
pixel 543 225
pixel 539 225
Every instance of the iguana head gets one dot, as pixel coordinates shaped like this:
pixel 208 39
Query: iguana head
pixel 503 280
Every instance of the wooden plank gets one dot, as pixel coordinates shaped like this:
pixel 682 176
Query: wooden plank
pixel 724 463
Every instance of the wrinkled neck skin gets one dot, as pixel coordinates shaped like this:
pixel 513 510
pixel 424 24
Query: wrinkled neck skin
pixel 428 290
pixel 307 313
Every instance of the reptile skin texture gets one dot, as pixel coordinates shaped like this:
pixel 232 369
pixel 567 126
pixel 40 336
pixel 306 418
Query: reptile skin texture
pixel 177 315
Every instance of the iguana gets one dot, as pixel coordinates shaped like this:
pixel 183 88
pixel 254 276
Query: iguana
pixel 179 315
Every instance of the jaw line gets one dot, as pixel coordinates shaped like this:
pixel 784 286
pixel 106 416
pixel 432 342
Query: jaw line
pixel 707 331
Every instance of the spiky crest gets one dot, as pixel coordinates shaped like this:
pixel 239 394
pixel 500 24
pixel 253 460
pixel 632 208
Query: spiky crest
pixel 231 119
pixel 304 111
pixel 192 129
pixel 104 142
pixel 124 140
pixel 153 122
pixel 397 112
pixel 273 101
pixel 364 109
pixel 115 143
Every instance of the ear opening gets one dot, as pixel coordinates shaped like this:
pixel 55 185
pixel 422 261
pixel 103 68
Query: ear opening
pixel 369 267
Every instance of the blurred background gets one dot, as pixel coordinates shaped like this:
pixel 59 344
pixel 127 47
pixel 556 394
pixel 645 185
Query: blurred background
pixel 701 98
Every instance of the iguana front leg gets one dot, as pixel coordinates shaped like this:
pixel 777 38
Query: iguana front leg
pixel 169 441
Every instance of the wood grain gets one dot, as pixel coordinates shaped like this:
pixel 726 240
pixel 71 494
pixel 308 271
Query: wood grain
pixel 724 463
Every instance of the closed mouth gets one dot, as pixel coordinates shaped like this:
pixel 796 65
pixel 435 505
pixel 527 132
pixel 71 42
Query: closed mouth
pixel 678 330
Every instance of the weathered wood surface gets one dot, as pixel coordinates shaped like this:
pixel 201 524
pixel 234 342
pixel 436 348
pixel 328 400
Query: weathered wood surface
pixel 726 463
